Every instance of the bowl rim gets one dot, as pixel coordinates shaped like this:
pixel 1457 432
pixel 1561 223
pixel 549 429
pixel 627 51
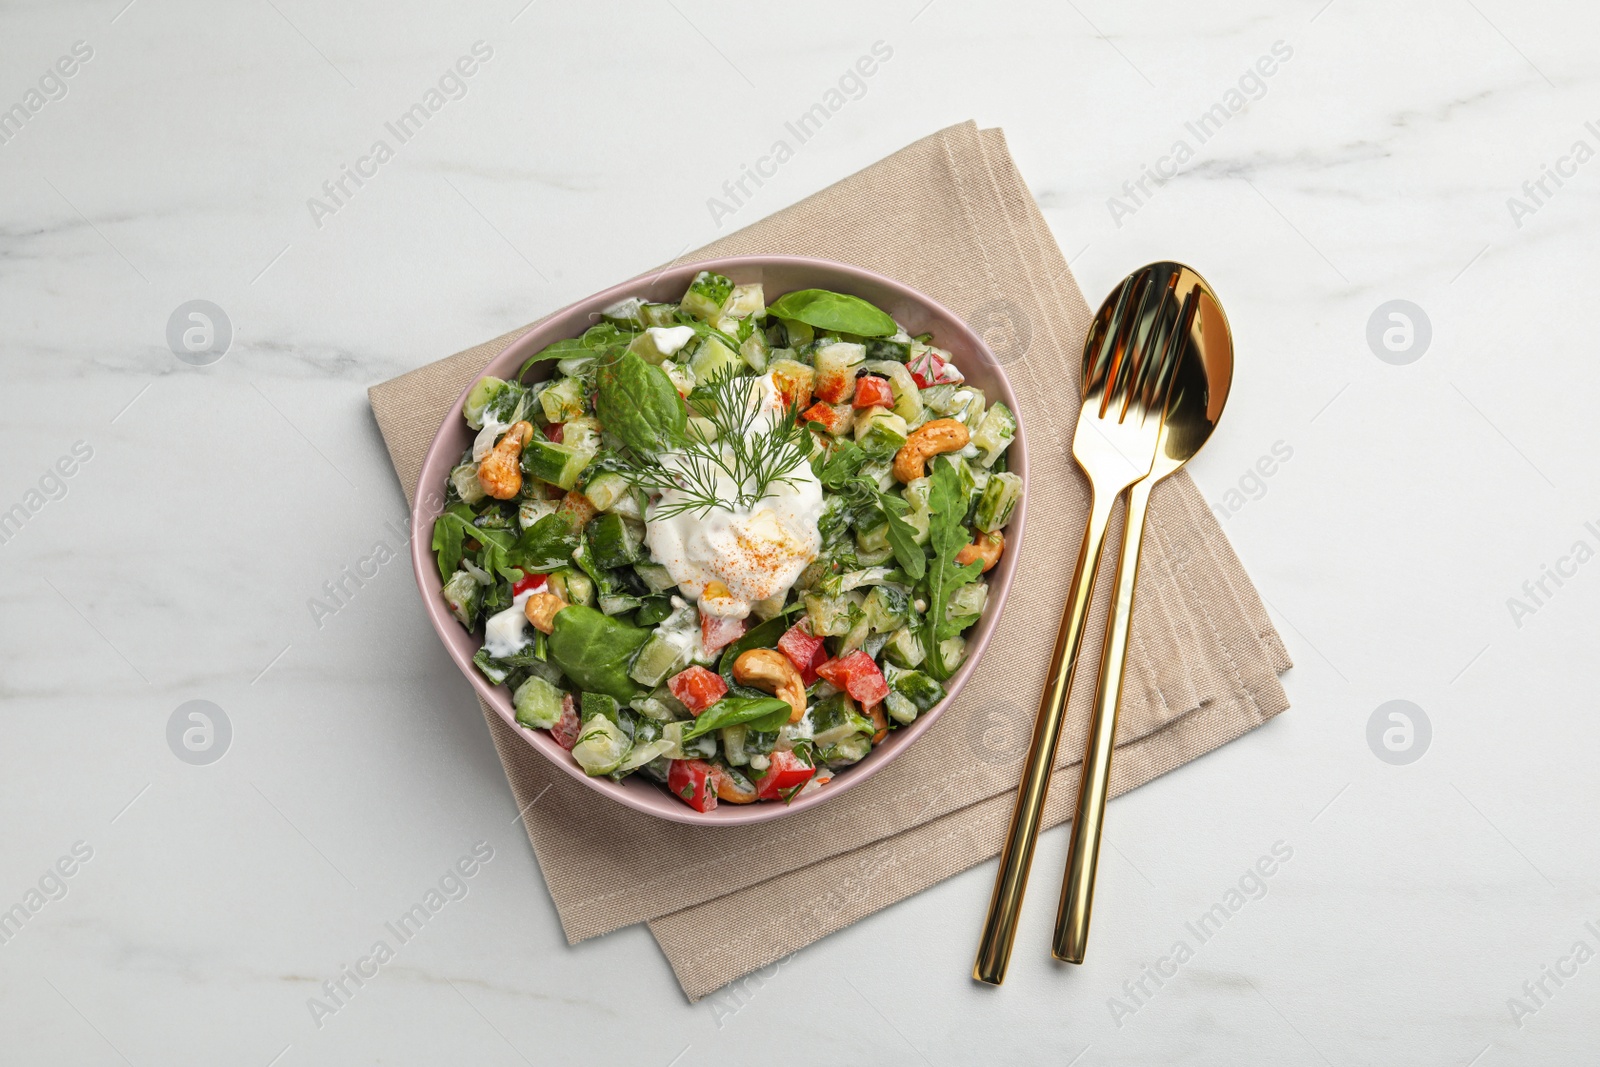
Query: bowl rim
pixel 653 799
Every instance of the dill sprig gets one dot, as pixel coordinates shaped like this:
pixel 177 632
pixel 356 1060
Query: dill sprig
pixel 752 459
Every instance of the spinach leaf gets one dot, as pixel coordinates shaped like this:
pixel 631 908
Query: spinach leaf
pixel 543 547
pixel 947 536
pixel 450 529
pixel 825 310
pixel 762 715
pixel 639 404
pixel 593 650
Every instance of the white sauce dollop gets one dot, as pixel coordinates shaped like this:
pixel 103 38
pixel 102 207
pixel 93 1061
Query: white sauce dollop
pixel 506 632
pixel 757 552
pixel 668 339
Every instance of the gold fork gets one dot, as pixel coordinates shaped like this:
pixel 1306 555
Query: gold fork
pixel 1128 363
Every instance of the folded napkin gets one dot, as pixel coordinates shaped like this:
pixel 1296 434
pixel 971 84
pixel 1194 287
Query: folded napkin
pixel 950 216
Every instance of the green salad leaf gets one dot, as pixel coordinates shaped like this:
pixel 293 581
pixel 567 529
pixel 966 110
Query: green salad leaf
pixel 593 649
pixel 903 536
pixel 604 339
pixel 449 531
pixel 837 312
pixel 545 546
pixel 763 714
pixel 947 536
pixel 639 404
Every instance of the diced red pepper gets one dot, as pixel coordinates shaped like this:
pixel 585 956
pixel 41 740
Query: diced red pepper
pixel 824 414
pixel 692 781
pixel 567 728
pixel 929 369
pixel 697 688
pixel 555 431
pixel 804 651
pixel 873 391
pixel 528 583
pixel 785 773
pixel 717 633
pixel 857 675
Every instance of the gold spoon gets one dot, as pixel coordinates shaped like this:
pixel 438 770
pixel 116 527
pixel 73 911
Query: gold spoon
pixel 1194 404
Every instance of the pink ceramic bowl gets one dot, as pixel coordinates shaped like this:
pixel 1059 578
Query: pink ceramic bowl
pixel 777 274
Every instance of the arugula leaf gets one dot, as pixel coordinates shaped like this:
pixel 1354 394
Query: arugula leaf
pixel 639 404
pixel 946 536
pixel 449 530
pixel 763 715
pixel 903 537
pixel 840 465
pixel 545 546
pixel 838 312
pixel 604 339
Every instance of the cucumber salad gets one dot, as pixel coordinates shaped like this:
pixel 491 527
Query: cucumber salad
pixel 727 544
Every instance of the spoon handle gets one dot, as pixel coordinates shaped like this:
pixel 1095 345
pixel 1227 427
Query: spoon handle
pixel 1077 890
pixel 1000 925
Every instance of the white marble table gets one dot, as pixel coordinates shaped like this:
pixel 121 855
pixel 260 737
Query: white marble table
pixel 1401 538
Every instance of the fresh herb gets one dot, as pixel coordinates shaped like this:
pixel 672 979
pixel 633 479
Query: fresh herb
pixel 903 537
pixel 638 403
pixel 604 342
pixel 838 312
pixel 545 546
pixel 594 649
pixel 749 460
pixel 763 714
pixel 946 536
pixel 450 530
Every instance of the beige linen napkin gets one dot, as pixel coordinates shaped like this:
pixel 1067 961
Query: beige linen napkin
pixel 948 215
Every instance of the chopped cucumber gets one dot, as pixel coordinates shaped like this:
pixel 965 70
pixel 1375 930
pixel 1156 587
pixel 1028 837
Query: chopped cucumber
pixel 659 314
pixel 713 358
pixel 706 295
pixel 465 479
pixel 617 603
pixel 887 607
pixel 605 489
pixel 558 464
pixel 994 434
pixel 657 658
pixel 613 541
pixel 900 709
pixel 657 577
pixel 880 431
pixel 483 390
pixel 582 434
pixel 830 616
pixel 592 704
pixel 562 400
pixel 601 745
pixel 999 500
pixel 833 718
pixel 904 648
pixel 852 749
pixel 914 686
pixel 733 744
pixel 625 312
pixel 538 703
pixel 660 343
pixel 836 370
pixel 755 352
pixel 463 593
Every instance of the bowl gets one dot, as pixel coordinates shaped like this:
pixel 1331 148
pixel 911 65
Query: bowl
pixel 777 274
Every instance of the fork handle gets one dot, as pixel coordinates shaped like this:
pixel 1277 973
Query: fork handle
pixel 1083 851
pixel 1016 855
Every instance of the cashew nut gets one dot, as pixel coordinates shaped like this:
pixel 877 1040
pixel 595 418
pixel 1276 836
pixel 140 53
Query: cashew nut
pixel 926 441
pixel 987 548
pixel 879 720
pixel 769 670
pixel 541 610
pixel 500 473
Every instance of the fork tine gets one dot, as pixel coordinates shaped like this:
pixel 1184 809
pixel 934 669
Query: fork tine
pixel 1173 351
pixel 1150 347
pixel 1127 355
pixel 1097 365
